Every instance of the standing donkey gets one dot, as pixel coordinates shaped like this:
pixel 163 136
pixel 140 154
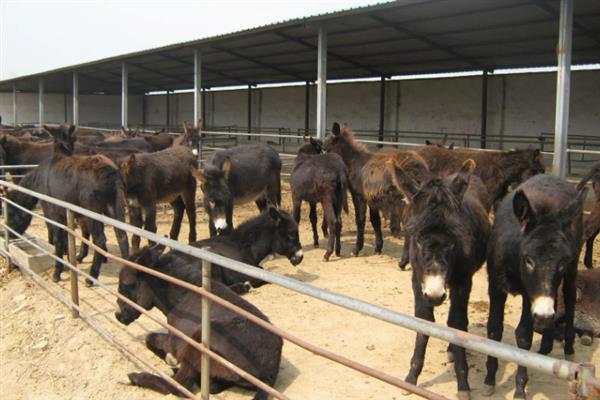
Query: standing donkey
pixel 448 230
pixel 237 176
pixel 534 245
pixel 592 224
pixel 371 176
pixel 320 178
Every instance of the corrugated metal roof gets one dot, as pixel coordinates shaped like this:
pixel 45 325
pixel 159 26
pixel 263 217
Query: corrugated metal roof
pixel 403 37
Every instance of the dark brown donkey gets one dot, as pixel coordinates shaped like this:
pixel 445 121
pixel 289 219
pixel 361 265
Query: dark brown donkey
pixel 448 230
pixel 158 140
pixel 371 177
pixel 592 223
pixel 497 170
pixel 247 345
pixel 320 178
pixel 161 177
pixel 92 182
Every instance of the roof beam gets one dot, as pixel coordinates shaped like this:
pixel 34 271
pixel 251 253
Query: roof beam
pixel 157 72
pixel 329 53
pixel 576 24
pixel 211 70
pixel 427 40
pixel 258 62
pixel 144 84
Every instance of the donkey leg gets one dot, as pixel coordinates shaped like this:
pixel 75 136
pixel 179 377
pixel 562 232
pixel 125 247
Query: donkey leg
pixel 338 231
pixel 360 209
pixel 458 318
pixel 178 208
pixel 261 203
pixel 136 219
pixel 60 248
pixel 189 199
pixel 150 220
pixel 570 295
pixel 376 223
pixel 329 216
pixel 84 248
pixel 495 328
pixel 297 208
pixel 186 376
pixel 99 239
pixel 589 249
pixel 524 335
pixel 313 222
pixel 424 311
pixel 405 253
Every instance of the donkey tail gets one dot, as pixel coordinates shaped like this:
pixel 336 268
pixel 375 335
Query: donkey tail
pixel 341 194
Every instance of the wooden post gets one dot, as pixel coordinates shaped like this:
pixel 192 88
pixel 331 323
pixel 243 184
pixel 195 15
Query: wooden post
pixel 73 261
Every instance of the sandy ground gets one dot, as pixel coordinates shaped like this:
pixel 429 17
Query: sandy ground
pixel 44 353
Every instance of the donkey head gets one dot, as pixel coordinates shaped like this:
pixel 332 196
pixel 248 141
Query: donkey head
pixel 286 240
pixel 133 284
pixel 436 228
pixel 314 146
pixel 191 136
pixel 545 250
pixel 217 195
pixel 64 138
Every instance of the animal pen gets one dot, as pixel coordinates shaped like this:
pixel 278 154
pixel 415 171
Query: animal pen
pixel 196 64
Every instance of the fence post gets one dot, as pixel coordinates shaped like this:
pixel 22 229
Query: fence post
pixel 205 360
pixel 73 261
pixel 585 372
pixel 6 233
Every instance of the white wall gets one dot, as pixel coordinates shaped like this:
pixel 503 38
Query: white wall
pixel 517 105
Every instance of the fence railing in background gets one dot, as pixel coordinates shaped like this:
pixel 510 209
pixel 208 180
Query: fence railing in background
pixel 581 374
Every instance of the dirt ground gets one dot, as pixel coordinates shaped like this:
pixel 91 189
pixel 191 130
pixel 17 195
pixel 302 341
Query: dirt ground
pixel 44 353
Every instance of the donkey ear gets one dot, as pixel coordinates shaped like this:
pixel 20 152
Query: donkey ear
pixel 523 210
pixel 226 168
pixel 451 146
pixel 274 214
pixel 48 129
pixel 401 180
pixel 199 175
pixel 2 140
pixel 185 127
pixel 313 141
pixel 444 139
pixel 468 166
pixel 335 129
pixel 427 142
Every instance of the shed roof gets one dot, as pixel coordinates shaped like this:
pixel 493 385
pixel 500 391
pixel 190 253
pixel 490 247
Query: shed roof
pixel 396 38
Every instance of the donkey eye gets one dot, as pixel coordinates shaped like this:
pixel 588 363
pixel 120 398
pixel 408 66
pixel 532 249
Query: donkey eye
pixel 529 263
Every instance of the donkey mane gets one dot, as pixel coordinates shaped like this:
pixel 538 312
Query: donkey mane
pixel 348 135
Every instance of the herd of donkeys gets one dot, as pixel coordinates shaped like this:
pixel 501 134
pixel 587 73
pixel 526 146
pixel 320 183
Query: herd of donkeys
pixel 439 198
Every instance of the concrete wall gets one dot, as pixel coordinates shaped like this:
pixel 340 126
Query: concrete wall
pixel 517 105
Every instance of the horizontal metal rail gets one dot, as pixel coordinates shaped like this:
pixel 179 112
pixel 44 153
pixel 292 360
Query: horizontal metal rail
pixel 299 342
pixel 559 368
pixel 24 166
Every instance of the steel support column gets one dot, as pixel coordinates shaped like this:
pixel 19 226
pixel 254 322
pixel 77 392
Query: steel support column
pixel 484 101
pixel 124 95
pixel 204 107
pixel 168 121
pixel 197 86
pixel 380 137
pixel 14 101
pixel 322 83
pixel 75 98
pixel 306 107
pixel 41 100
pixel 249 110
pixel 144 105
pixel 563 86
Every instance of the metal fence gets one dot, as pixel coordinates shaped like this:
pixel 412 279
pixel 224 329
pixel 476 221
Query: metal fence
pixel 582 375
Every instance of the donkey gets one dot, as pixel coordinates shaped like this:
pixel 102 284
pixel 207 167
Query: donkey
pixel 534 245
pixel 92 182
pixel 370 175
pixel 320 178
pixel 158 140
pixel 161 177
pixel 237 176
pixel 448 229
pixel 23 152
pixel 273 231
pixel 441 143
pixel 497 170
pixel 192 136
pixel 592 224
pixel 240 341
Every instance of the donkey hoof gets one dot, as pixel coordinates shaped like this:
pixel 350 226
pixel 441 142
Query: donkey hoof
pixel 354 253
pixel 519 394
pixel 89 283
pixel 463 395
pixel 450 356
pixel 56 277
pixel 326 256
pixel 134 378
pixel 316 245
pixel 488 390
pixel 586 340
pixel 570 357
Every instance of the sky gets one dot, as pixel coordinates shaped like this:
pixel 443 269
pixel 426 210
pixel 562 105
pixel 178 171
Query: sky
pixel 40 35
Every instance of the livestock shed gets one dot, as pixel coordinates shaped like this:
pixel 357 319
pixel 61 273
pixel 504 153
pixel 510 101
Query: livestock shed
pixel 387 40
pixel 400 73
